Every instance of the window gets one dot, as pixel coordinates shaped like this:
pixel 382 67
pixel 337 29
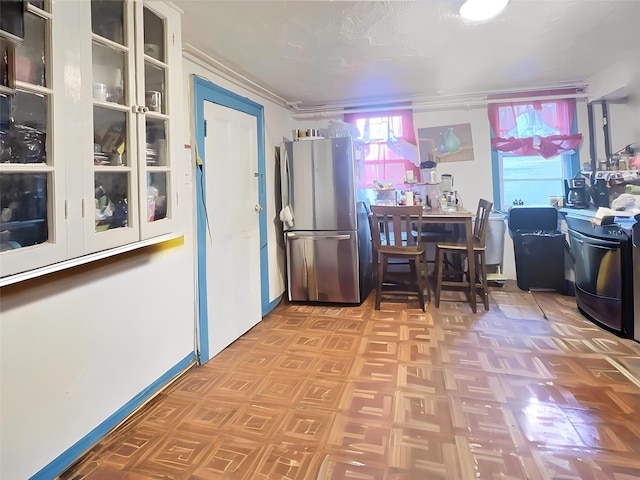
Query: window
pixel 532 180
pixel 390 146
pixel 534 147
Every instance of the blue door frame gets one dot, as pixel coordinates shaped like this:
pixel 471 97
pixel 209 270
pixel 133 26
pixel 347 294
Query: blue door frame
pixel 205 91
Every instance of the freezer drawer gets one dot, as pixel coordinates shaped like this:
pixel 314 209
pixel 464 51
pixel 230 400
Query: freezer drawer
pixel 323 266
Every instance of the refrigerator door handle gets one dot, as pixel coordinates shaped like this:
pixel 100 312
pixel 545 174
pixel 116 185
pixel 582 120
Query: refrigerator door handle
pixel 293 236
pixel 285 177
pixel 330 237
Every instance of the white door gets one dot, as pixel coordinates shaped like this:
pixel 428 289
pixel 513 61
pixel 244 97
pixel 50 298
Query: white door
pixel 233 248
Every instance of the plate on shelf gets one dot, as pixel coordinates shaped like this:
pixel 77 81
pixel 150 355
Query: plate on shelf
pixel 100 159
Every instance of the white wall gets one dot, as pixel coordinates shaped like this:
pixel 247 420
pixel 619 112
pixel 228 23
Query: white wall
pixel 79 344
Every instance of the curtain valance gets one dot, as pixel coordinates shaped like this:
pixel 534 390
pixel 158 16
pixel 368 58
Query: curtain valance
pixel 540 127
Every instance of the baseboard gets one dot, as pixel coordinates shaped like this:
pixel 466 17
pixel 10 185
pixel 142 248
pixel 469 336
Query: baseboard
pixel 71 455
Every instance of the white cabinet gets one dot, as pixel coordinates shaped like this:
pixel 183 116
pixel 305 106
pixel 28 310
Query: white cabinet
pixel 97 85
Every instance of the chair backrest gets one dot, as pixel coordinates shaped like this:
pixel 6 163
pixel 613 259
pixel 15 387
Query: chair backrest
pixel 396 224
pixel 482 222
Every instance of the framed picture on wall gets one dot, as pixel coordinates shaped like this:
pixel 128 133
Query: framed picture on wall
pixel 448 143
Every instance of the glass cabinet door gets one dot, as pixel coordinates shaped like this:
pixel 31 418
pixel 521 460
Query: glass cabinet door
pixel 30 215
pixel 113 93
pixel 155 177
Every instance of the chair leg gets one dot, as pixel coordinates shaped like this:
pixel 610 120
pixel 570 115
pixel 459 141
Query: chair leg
pixel 426 277
pixel 439 269
pixel 482 275
pixel 415 268
pixel 382 265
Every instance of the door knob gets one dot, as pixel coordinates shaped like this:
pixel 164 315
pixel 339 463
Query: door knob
pixel 258 208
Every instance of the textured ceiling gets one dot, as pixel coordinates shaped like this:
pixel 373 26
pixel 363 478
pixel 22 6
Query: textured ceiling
pixel 316 53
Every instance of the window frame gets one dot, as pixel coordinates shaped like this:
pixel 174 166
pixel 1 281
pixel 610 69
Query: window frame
pixel 392 160
pixel 570 163
pixel 501 202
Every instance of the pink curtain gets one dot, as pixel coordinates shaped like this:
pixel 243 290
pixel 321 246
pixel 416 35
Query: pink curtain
pixel 383 158
pixel 541 127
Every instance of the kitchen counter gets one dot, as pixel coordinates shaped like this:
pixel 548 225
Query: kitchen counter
pixel 579 212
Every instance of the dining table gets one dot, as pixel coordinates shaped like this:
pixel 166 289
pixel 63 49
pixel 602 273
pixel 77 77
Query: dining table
pixel 456 215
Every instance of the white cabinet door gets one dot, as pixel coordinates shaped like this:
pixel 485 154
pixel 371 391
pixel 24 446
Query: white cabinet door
pixel 32 172
pixel 158 47
pixel 111 153
pixel 89 152
pixel 135 58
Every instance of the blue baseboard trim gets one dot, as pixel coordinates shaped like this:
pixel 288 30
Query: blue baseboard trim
pixel 60 464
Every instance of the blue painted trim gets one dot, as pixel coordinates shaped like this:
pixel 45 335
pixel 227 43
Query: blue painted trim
pixel 495 172
pixel 205 91
pixel 62 462
pixel 574 162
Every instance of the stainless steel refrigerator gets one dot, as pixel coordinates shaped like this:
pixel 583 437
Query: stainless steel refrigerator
pixel 326 229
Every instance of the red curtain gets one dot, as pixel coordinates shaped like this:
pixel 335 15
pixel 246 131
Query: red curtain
pixel 541 127
pixel 388 159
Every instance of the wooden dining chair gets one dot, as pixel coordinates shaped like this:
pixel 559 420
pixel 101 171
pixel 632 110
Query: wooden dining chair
pixel 394 227
pixel 446 273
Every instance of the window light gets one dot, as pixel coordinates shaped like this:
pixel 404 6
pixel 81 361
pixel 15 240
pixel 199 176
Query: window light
pixel 479 10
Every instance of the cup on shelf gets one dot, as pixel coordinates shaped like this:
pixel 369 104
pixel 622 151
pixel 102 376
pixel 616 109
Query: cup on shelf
pixel 153 100
pixel 100 92
pixel 153 50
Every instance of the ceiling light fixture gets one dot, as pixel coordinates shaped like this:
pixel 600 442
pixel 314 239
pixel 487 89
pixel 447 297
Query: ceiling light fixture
pixel 479 10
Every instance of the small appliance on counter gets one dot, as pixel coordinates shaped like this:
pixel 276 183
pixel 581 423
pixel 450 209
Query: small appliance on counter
pixel 600 192
pixel 575 193
pixel 446 183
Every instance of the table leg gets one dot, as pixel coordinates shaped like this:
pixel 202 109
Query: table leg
pixel 471 261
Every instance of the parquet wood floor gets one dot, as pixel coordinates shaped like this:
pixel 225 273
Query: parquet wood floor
pixel 334 392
